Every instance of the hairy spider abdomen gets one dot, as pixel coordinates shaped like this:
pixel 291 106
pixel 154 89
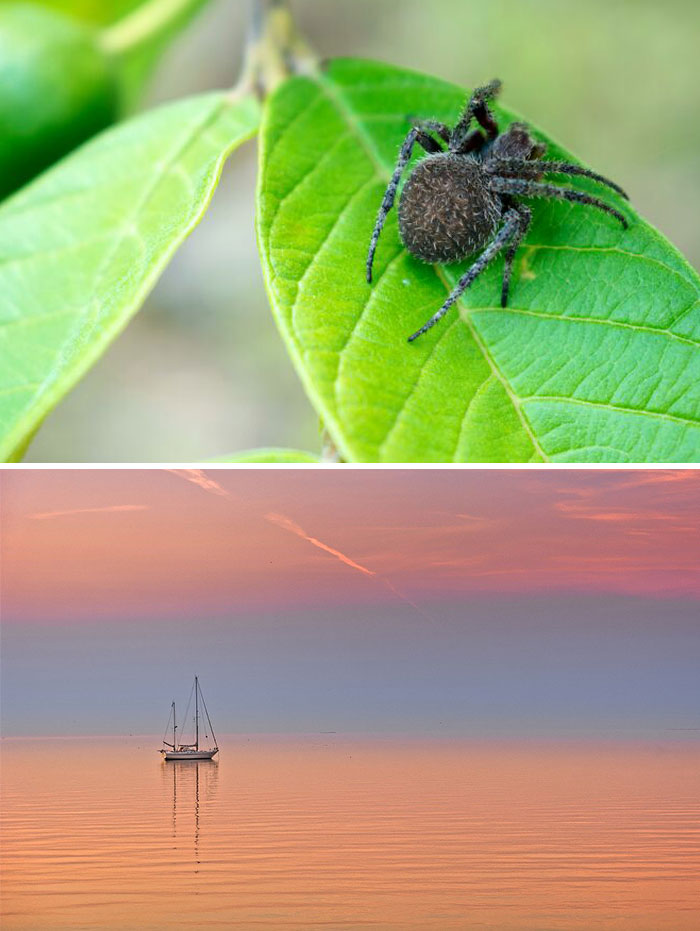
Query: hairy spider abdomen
pixel 446 209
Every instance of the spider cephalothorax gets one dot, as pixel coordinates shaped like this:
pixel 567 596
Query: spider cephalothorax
pixel 466 197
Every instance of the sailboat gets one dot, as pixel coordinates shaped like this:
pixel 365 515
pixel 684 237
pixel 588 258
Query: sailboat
pixel 182 751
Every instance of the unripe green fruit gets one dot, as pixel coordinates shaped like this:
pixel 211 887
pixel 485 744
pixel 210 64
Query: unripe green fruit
pixel 56 90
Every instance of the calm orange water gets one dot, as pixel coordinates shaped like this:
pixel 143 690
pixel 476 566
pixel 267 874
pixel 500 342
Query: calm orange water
pixel 337 833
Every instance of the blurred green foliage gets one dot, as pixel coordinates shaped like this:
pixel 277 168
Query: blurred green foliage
pixel 63 78
pixel 57 88
pixel 93 11
pixel 137 40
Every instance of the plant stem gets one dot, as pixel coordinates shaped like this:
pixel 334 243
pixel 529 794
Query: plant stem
pixel 275 49
pixel 146 23
pixel 329 451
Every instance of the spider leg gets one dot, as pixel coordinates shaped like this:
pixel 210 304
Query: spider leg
pixel 485 118
pixel 433 126
pixel 474 142
pixel 513 221
pixel 477 108
pixel 527 188
pixel 497 165
pixel 430 145
pixel 525 221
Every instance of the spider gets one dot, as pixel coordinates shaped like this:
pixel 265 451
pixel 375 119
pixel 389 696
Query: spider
pixel 465 198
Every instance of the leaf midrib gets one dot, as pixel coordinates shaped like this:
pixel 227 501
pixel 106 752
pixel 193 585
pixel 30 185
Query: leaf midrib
pixel 513 397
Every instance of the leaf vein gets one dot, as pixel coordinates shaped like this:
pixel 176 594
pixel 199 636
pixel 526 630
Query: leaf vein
pixel 399 413
pixel 568 318
pixel 639 256
pixel 319 251
pixel 475 396
pixel 618 408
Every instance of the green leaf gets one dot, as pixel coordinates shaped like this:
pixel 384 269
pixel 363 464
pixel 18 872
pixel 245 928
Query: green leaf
pixel 270 455
pixel 81 247
pixel 594 360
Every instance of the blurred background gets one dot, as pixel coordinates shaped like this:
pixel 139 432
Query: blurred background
pixel 201 371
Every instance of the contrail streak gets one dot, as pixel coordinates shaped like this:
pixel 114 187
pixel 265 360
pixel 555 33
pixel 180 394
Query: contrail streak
pixel 394 589
pixel 199 477
pixel 202 480
pixel 112 508
pixel 287 524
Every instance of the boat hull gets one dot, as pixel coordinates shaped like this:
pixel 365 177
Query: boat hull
pixel 189 754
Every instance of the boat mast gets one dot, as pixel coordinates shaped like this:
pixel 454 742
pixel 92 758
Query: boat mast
pixel 196 713
pixel 174 728
pixel 206 711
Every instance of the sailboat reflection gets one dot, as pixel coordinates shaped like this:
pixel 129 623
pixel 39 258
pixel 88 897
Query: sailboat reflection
pixel 194 785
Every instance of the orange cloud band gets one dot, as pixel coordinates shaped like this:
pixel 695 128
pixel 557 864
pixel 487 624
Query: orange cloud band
pixel 112 508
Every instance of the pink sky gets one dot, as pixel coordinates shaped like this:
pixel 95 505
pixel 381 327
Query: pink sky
pixel 130 543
